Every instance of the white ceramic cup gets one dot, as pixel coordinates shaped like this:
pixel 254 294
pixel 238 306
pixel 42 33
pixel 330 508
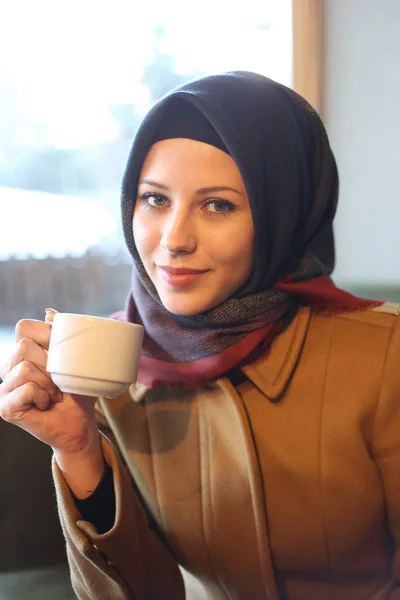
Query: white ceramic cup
pixel 93 356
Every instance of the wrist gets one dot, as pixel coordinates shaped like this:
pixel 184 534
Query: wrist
pixel 82 442
pixel 82 468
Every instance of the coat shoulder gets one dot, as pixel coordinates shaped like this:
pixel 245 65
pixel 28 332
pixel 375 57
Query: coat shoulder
pixel 385 316
pixel 390 308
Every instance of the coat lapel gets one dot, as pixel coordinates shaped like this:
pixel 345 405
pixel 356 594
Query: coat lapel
pixel 271 373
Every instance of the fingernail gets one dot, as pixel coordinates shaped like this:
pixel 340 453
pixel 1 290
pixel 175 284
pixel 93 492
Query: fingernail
pixel 49 312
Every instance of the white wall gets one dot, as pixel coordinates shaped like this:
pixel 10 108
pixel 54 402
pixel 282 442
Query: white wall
pixel 361 110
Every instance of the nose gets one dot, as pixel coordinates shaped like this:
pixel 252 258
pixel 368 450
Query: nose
pixel 178 236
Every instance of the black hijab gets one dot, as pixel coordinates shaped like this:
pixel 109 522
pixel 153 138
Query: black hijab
pixel 282 151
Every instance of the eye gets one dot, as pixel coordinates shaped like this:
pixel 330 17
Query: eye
pixel 220 206
pixel 153 200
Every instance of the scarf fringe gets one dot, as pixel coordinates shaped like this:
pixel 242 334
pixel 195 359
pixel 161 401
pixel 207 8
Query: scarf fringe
pixel 322 296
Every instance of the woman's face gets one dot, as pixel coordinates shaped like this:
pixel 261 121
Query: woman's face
pixel 192 225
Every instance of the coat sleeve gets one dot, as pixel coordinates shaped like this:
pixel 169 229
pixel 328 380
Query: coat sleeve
pixel 130 561
pixel 386 441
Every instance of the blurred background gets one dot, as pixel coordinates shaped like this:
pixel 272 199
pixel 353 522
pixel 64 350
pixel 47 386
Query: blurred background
pixel 75 80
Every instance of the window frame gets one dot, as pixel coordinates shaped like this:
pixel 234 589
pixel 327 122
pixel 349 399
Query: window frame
pixel 307 46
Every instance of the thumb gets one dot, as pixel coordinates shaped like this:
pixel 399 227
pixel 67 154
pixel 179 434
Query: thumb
pixel 50 312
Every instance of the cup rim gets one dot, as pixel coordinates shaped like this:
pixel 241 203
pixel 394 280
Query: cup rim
pixel 95 318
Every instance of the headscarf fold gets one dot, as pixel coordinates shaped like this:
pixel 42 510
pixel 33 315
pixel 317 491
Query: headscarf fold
pixel 282 151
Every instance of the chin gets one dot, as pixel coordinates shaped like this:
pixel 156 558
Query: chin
pixel 183 311
pixel 185 307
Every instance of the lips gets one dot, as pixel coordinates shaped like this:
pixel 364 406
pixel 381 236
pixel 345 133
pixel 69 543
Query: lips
pixel 175 271
pixel 179 277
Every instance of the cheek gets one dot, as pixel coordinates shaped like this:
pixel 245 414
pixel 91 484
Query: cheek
pixel 145 237
pixel 236 250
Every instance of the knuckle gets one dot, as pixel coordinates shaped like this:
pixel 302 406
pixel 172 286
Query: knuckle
pixel 31 390
pixel 24 372
pixel 38 392
pixel 30 387
pixel 22 327
pixel 27 368
pixel 23 346
pixel 37 395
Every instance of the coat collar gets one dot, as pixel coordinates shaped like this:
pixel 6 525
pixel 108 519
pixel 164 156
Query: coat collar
pixel 271 372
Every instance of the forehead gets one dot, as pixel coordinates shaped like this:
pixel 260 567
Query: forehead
pixel 184 158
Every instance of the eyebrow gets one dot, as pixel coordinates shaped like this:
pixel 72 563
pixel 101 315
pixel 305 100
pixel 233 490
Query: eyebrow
pixel 204 190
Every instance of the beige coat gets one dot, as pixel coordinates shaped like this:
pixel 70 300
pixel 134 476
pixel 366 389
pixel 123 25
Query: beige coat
pixel 287 486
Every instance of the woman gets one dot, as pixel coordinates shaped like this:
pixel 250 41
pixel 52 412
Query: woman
pixel 258 457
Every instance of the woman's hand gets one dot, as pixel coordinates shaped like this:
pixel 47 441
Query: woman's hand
pixel 66 422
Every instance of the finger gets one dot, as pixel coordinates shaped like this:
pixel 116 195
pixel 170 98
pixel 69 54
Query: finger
pixel 26 372
pixel 26 349
pixel 15 406
pixel 38 331
pixel 49 312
